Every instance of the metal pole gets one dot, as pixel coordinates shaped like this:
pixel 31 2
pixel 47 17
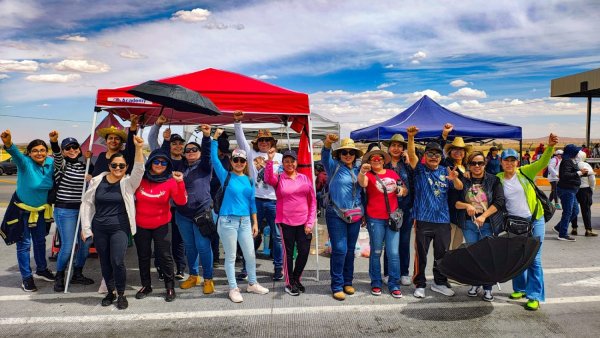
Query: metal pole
pixel 312 170
pixel 589 121
pixel 87 166
pixel 287 130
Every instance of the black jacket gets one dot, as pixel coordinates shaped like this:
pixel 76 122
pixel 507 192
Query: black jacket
pixel 495 194
pixel 568 178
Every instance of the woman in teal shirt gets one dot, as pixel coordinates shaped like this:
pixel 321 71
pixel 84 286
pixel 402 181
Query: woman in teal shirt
pixel 30 201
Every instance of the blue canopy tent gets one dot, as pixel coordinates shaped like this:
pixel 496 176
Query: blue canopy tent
pixel 430 118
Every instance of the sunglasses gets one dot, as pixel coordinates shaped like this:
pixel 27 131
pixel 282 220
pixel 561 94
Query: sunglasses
pixel 263 139
pixel 477 163
pixel 345 152
pixel 433 154
pixel 71 147
pixel 191 150
pixel 238 160
pixel 376 159
pixel 159 162
pixel 118 165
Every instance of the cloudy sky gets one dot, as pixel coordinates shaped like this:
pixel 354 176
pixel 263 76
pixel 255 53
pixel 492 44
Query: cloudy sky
pixel 361 62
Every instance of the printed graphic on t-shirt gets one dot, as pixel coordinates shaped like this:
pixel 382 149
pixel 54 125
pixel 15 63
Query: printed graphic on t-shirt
pixel 148 194
pixel 438 185
pixel 477 197
pixel 390 185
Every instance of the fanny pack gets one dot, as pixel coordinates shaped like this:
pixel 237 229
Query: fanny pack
pixel 518 225
pixel 351 215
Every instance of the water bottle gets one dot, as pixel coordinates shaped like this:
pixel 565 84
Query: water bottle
pixel 266 240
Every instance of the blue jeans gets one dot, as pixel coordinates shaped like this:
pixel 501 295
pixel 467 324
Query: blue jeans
pixel 531 281
pixel 197 247
pixel 37 235
pixel 405 231
pixel 66 222
pixel 234 229
pixel 570 209
pixel 472 235
pixel 379 232
pixel 265 209
pixel 343 238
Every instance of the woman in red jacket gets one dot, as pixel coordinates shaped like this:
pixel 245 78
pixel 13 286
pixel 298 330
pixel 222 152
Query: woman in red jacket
pixel 153 213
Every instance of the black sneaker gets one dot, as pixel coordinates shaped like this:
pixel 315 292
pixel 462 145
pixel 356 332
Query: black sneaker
pixel 170 296
pixel 59 282
pixel 28 285
pixel 242 276
pixel 574 232
pixel 161 275
pixel 79 278
pixel 278 274
pixel 300 287
pixel 109 299
pixel 144 291
pixel 292 290
pixel 179 275
pixel 46 275
pixel 122 302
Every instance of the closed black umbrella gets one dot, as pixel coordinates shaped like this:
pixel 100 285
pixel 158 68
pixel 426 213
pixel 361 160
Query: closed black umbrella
pixel 489 261
pixel 176 97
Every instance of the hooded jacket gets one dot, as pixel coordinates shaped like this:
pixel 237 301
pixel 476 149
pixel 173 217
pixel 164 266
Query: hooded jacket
pixel 568 172
pixel 197 182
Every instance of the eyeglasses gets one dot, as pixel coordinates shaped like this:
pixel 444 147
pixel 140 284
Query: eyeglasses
pixel 345 152
pixel 263 139
pixel 118 165
pixel 191 150
pixel 477 163
pixel 71 147
pixel 376 159
pixel 159 162
pixel 238 160
pixel 433 154
pixel 38 151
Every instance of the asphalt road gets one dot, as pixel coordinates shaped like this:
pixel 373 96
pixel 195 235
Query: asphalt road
pixel 572 307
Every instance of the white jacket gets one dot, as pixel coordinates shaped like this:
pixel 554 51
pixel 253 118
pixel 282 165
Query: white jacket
pixel 553 169
pixel 128 184
pixel 588 181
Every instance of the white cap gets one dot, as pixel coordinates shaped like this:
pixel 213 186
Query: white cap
pixel 239 153
pixel 558 152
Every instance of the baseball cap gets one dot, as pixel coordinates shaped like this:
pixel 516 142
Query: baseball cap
pixel 433 146
pixel 176 137
pixel 238 153
pixel 67 141
pixel 290 153
pixel 510 153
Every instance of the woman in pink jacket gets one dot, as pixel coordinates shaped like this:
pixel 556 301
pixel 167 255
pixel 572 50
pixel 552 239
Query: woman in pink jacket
pixel 295 215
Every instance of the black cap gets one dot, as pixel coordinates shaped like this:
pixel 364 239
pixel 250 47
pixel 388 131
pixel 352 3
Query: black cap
pixel 176 137
pixel 290 153
pixel 493 149
pixel 433 146
pixel 68 141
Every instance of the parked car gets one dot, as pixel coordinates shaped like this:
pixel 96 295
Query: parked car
pixel 8 167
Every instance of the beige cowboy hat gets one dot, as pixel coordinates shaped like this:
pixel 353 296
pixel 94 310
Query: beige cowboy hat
pixel 458 142
pixel 104 132
pixel 376 151
pixel 264 133
pixel 396 138
pixel 347 143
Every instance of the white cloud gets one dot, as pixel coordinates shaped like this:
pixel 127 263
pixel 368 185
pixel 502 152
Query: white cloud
pixel 130 54
pixel 44 105
pixel 418 57
pixel 264 77
pixel 434 95
pixel 53 78
pixel 516 102
pixel 389 66
pixel 459 83
pixel 468 93
pixel 195 15
pixel 453 106
pixel 18 66
pixel 76 38
pixel 470 104
pixel 16 13
pixel 4 76
pixel 565 104
pixel 386 85
pixel 85 66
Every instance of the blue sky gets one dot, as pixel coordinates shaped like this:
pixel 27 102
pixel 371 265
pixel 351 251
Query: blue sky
pixel 360 62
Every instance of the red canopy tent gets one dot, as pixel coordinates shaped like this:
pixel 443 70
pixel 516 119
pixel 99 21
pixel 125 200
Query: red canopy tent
pixel 260 101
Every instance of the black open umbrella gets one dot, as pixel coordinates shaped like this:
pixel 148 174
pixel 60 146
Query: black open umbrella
pixel 175 97
pixel 489 261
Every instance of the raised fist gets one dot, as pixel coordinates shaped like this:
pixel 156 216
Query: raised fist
pixel 412 131
pixel 238 115
pixel 218 133
pixel 6 138
pixel 139 142
pixel 271 153
pixel 53 136
pixel 365 168
pixel 552 140
pixel 161 120
pixel 178 176
pixel 332 138
pixel 167 134
pixel 134 122
pixel 205 128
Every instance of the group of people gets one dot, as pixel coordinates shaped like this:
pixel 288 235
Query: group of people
pixel 447 193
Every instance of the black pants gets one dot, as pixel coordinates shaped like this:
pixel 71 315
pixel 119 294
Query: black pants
pixel 177 247
pixel 584 197
pixel 294 236
pixel 553 194
pixel 162 244
pixel 111 247
pixel 425 232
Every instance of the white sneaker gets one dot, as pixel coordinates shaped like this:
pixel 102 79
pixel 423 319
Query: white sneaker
pixel 443 289
pixel 385 279
pixel 102 288
pixel 405 280
pixel 235 295
pixel 487 296
pixel 258 289
pixel 473 291
pixel 419 293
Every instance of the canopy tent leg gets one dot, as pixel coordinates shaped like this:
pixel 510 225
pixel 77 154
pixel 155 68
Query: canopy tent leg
pixel 588 122
pixel 520 149
pixel 312 166
pixel 87 167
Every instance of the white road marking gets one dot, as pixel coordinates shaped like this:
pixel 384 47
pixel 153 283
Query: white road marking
pixel 571 270
pixel 412 304
pixel 594 281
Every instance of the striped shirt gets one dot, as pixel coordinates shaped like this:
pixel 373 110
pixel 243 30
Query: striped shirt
pixel 68 177
pixel 431 194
